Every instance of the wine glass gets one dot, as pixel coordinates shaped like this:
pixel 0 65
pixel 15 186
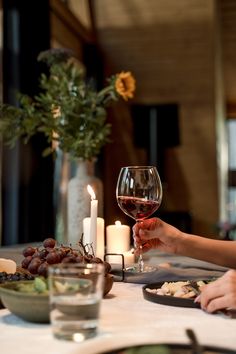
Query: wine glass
pixel 139 195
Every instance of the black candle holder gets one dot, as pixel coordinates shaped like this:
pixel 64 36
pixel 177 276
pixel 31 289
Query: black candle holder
pixel 122 263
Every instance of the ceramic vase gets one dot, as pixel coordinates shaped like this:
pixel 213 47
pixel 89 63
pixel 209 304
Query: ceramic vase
pixel 79 200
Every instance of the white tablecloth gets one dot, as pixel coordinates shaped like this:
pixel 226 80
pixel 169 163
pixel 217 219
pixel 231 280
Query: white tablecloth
pixel 126 318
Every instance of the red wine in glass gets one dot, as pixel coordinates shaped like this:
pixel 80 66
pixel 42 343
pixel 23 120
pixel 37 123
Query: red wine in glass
pixel 139 194
pixel 137 208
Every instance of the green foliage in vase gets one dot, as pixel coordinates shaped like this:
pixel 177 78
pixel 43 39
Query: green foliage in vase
pixel 68 110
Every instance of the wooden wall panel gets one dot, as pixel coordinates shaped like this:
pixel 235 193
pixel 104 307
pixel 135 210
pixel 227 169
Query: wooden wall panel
pixel 170 46
pixel 228 39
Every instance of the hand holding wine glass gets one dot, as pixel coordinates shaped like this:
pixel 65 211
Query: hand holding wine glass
pixel 139 194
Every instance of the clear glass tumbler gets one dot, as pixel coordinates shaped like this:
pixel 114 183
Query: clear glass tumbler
pixel 76 291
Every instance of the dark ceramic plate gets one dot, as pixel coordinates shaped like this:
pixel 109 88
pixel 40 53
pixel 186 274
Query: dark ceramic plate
pixel 167 300
pixel 168 349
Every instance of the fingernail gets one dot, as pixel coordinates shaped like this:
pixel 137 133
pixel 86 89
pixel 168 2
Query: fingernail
pixel 197 299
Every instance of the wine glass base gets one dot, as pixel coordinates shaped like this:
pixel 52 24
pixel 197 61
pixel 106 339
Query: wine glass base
pixel 135 269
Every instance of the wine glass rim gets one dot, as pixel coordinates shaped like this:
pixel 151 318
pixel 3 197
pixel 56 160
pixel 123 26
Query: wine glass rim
pixel 140 167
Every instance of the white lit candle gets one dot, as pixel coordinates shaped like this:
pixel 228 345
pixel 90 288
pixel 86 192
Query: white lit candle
pixel 100 240
pixel 93 217
pixel 117 238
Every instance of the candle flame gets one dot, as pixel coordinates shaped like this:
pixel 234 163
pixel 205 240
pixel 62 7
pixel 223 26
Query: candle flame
pixel 118 223
pixel 91 192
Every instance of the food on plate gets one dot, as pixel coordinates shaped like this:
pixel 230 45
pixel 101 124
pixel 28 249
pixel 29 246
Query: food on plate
pixel 188 289
pixel 9 277
pixel 38 286
pixel 7 265
pixel 10 272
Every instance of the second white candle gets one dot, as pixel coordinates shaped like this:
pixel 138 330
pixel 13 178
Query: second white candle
pixel 117 238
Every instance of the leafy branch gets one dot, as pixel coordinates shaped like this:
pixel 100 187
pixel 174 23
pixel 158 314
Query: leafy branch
pixel 68 110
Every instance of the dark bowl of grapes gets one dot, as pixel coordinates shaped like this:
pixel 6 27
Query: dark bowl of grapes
pixel 109 279
pixel 28 300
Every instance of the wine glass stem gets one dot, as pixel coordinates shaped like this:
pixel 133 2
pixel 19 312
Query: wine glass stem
pixel 140 261
pixel 140 257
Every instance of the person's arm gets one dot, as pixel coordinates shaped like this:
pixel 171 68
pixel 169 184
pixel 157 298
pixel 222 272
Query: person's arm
pixel 155 233
pixel 215 251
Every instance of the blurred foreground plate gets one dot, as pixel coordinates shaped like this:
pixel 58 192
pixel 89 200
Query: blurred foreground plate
pixel 167 349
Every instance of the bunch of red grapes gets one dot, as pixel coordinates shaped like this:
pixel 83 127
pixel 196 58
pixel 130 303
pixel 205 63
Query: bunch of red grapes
pixel 37 260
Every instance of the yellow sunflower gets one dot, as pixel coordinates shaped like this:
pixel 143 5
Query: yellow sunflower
pixel 125 85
